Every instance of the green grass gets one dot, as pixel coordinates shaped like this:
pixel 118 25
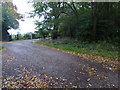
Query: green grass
pixel 1 47
pixel 94 49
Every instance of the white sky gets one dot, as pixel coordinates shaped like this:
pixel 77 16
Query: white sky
pixel 28 24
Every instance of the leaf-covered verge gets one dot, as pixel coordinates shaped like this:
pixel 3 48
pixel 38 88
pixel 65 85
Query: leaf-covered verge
pixel 100 52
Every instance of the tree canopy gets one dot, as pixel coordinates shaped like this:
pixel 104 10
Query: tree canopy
pixel 87 21
pixel 9 19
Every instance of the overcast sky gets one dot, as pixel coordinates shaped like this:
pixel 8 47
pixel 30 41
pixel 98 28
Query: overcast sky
pixel 28 24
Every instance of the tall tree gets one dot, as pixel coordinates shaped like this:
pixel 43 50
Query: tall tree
pixel 10 18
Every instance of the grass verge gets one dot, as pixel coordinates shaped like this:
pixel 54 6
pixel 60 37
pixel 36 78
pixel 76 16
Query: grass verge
pixel 100 52
pixel 113 53
pixel 1 47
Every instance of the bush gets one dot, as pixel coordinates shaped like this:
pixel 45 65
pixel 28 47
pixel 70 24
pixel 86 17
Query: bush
pixel 54 34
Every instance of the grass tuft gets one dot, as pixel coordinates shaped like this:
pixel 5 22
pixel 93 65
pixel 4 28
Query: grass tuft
pixel 1 47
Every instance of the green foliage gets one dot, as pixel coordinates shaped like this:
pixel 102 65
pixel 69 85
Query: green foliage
pixel 1 47
pixel 44 33
pixel 34 36
pixel 9 18
pixel 94 49
pixel 54 34
pixel 84 21
pixel 41 33
pixel 27 36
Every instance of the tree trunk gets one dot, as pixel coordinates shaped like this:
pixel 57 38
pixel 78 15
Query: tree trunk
pixel 94 7
pixel 5 35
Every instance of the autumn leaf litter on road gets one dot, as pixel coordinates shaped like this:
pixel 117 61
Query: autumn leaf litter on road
pixel 27 79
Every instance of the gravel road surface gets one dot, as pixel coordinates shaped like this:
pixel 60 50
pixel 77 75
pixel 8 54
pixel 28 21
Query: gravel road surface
pixel 42 60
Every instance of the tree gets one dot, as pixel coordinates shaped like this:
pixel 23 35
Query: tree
pixel 10 18
pixel 85 21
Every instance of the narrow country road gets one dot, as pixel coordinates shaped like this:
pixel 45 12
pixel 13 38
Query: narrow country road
pixel 42 60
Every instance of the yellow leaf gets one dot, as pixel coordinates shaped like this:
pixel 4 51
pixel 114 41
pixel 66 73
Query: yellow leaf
pixel 88 79
pixel 91 74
